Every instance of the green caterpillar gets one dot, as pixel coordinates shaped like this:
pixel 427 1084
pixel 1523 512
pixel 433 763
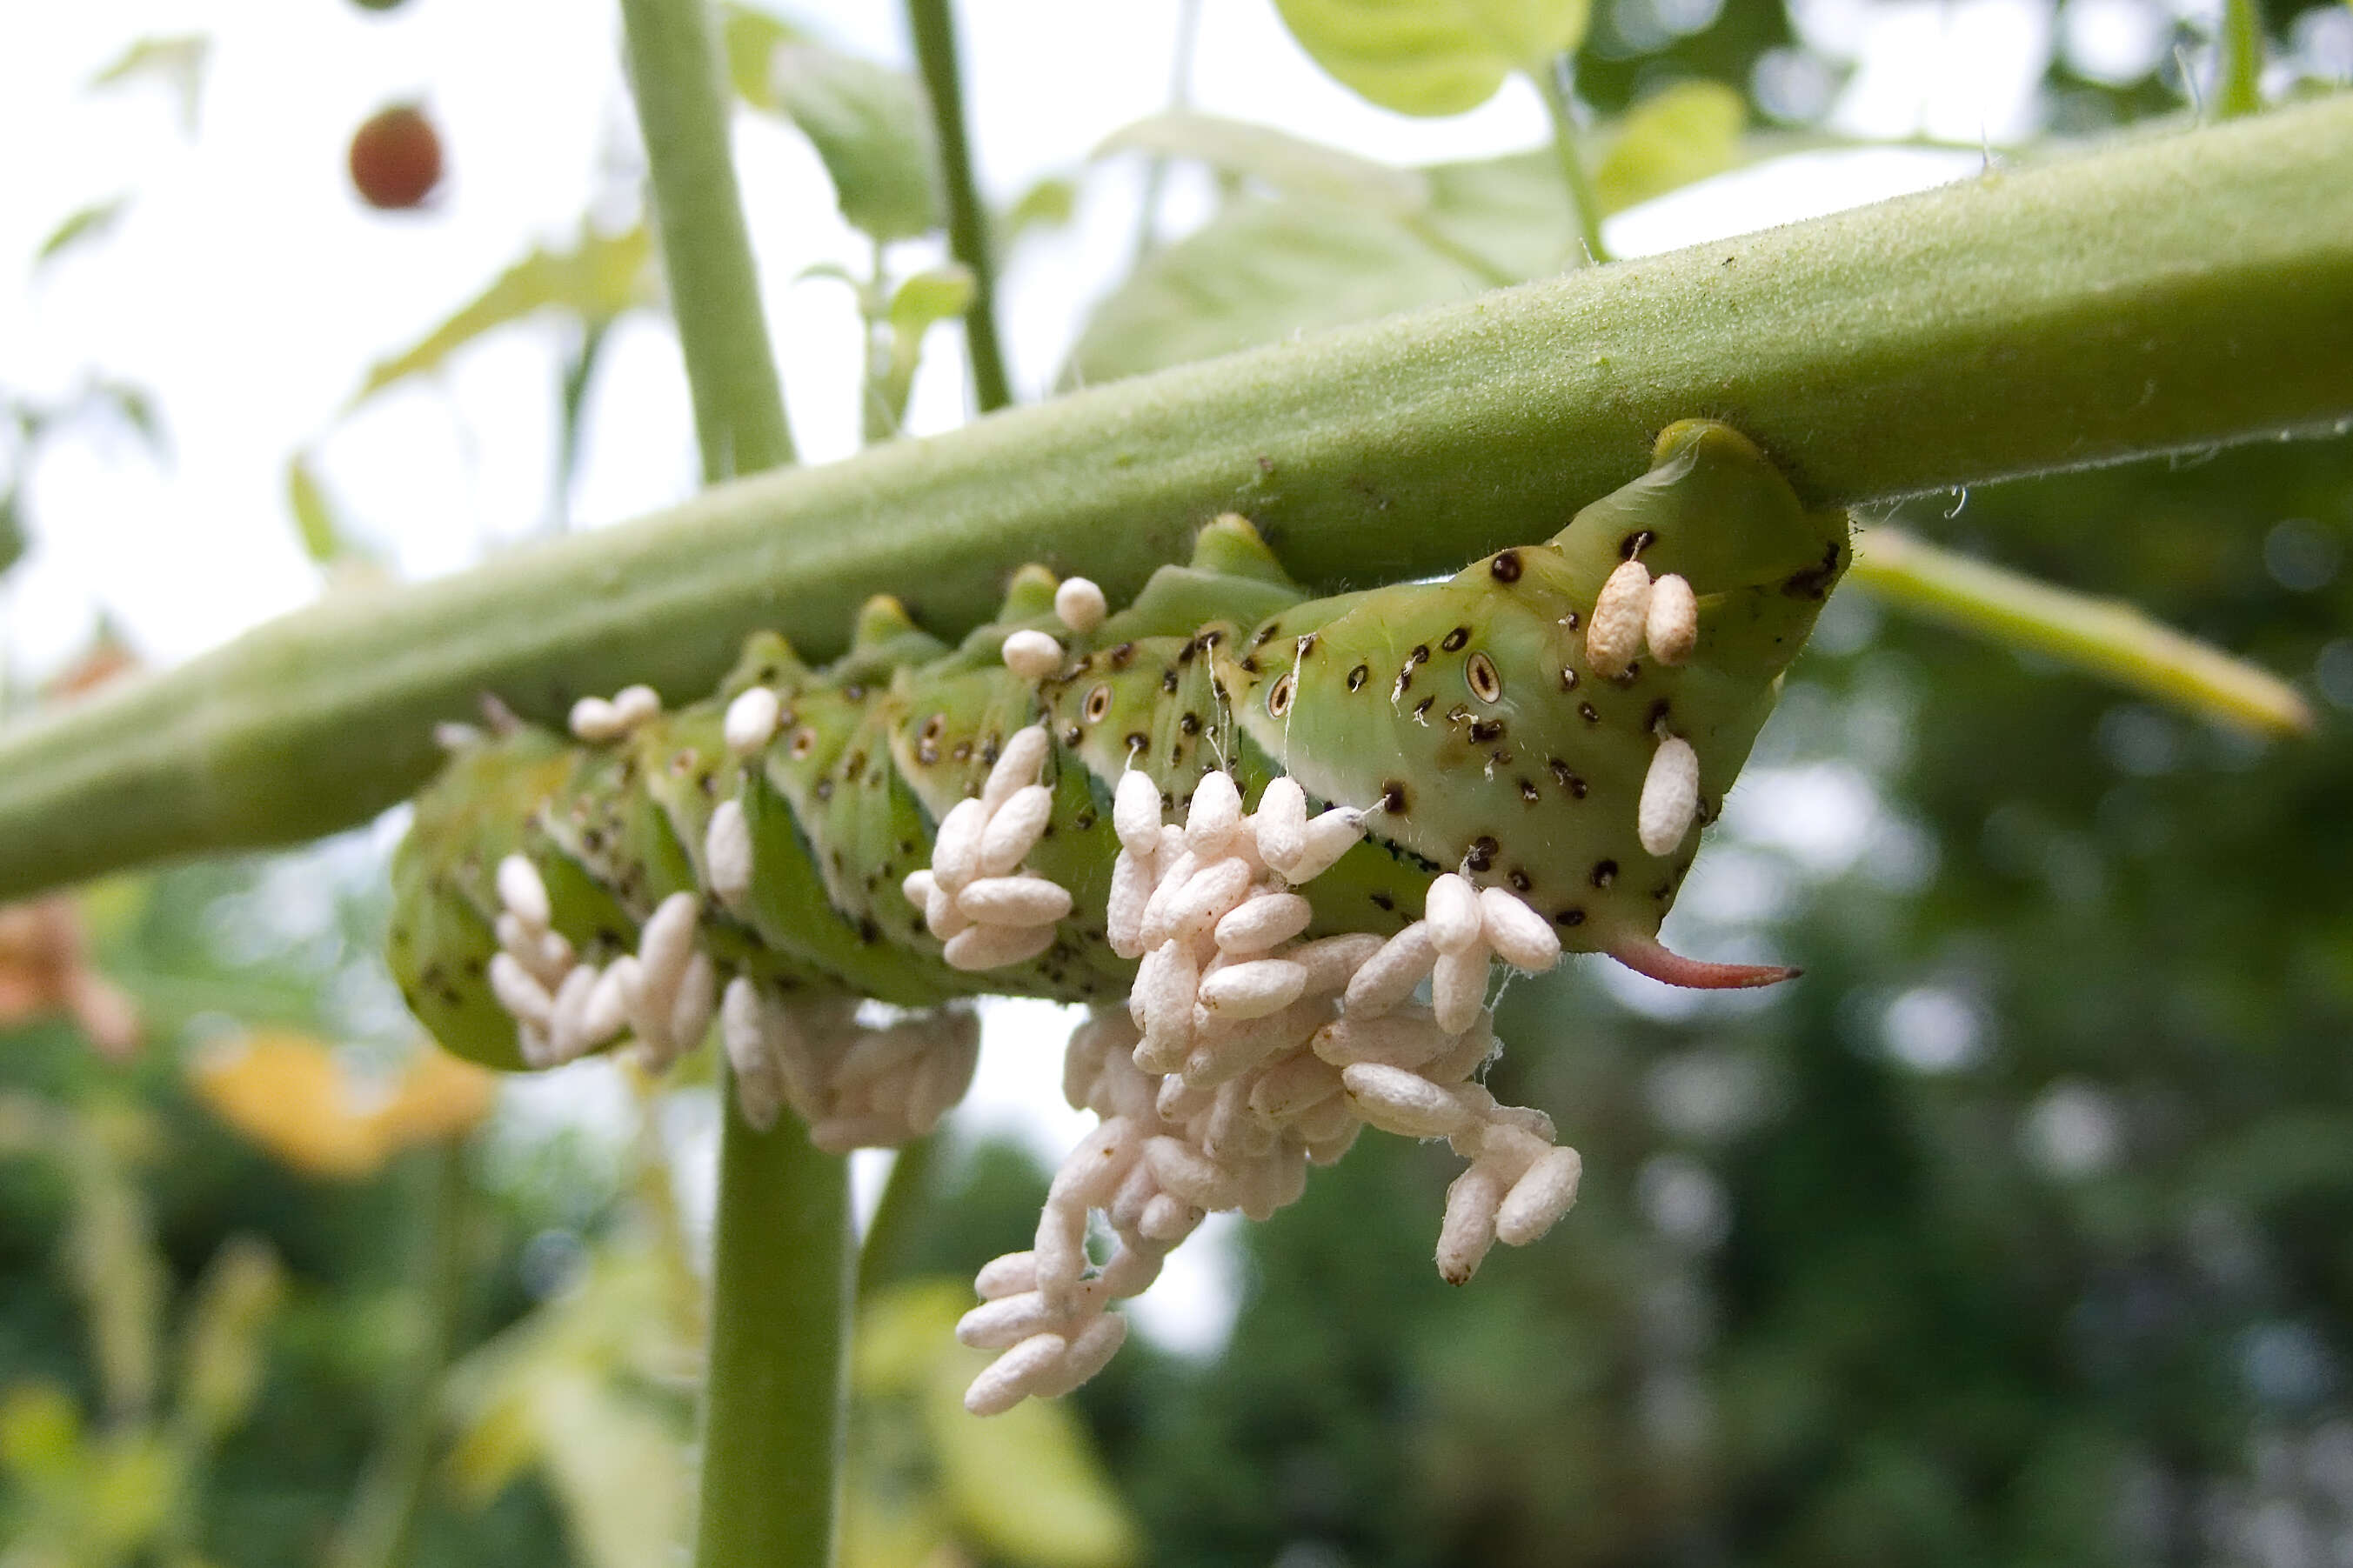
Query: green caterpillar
pixel 1508 722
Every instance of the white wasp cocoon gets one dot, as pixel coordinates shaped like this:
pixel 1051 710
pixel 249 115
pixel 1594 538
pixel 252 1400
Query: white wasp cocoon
pixel 1539 1198
pixel 1008 1274
pixel 1329 835
pixel 593 721
pixel 633 705
pixel 519 994
pixel 942 917
pixel 607 1014
pixel 1253 989
pixel 1287 1088
pixel 697 999
pixel 1136 813
pixel 993 947
pixel 1389 976
pixel 571 1005
pixel 1005 1382
pixel 759 1077
pixel 1006 1320
pixel 1333 960
pixel 1670 796
pixel 1614 636
pixel 955 848
pixel 1080 604
pixel 523 893
pixel 1206 898
pixel 1014 829
pixel 727 850
pixel 1018 764
pixel 1188 1173
pixel 1468 1231
pixel 1013 900
pixel 1458 987
pixel 1451 908
pixel 1281 823
pixel 1402 1102
pixel 1671 626
pixel 1214 817
pixel 1520 937
pixel 1409 1038
pixel 667 940
pixel 1167 1219
pixel 1032 656
pixel 1088 1354
pixel 1131 891
pixel 1263 920
pixel 753 716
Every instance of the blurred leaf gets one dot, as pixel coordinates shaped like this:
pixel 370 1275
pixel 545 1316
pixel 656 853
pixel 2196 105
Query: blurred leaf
pixel 751 38
pixel 1049 204
pixel 177 61
pixel 13 540
pixel 869 125
pixel 221 1358
pixel 1287 163
pixel 1023 1487
pixel 1265 269
pixel 134 407
pixel 598 279
pixel 928 298
pixel 89 222
pixel 287 1092
pixel 555 1391
pixel 40 1431
pixel 117 1268
pixel 1432 56
pixel 1671 138
pixel 314 518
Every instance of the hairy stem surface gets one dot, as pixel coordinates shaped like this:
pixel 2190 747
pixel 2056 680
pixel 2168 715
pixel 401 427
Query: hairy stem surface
pixel 2164 294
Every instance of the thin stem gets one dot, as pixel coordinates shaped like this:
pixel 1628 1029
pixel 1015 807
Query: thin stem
pixel 377 1531
pixel 935 53
pixel 775 1376
pixel 2105 637
pixel 714 287
pixel 2239 88
pixel 1180 96
pixel 780 1298
pixel 883 1255
pixel 2169 293
pixel 1555 87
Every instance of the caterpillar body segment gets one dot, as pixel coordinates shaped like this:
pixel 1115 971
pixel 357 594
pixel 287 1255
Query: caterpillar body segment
pixel 1466 720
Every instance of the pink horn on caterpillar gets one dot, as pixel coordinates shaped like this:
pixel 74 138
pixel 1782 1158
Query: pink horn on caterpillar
pixel 1645 956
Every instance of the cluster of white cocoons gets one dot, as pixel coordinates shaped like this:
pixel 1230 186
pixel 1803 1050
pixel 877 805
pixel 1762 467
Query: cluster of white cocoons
pixel 663 994
pixel 856 1086
pixel 975 895
pixel 1633 611
pixel 597 720
pixel 1246 1055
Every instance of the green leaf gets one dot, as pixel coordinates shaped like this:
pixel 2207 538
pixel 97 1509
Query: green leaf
pixel 1049 204
pixel 1288 164
pixel 869 125
pixel 89 222
pixel 221 1356
pixel 1265 269
pixel 1685 134
pixel 314 516
pixel 14 542
pixel 1433 57
pixel 177 61
pixel 922 301
pixel 751 38
pixel 598 279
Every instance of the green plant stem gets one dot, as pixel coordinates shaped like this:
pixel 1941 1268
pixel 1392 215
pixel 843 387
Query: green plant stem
pixel 2238 86
pixel 378 1530
pixel 2106 636
pixel 773 1380
pixel 683 111
pixel 780 1296
pixel 882 1256
pixel 934 28
pixel 1553 84
pixel 2166 294
pixel 1180 96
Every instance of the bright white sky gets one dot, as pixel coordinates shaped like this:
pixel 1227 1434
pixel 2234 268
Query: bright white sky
pixel 250 291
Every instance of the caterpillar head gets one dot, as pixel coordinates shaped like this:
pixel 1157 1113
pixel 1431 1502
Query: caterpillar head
pixel 1491 723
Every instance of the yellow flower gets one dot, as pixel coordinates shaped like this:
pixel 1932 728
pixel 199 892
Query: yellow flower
pixel 287 1092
